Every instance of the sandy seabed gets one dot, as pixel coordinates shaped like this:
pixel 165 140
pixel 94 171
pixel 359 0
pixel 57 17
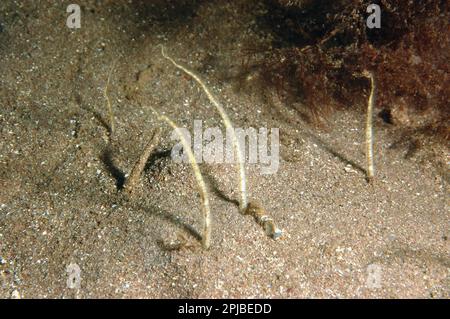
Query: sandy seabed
pixel 61 211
